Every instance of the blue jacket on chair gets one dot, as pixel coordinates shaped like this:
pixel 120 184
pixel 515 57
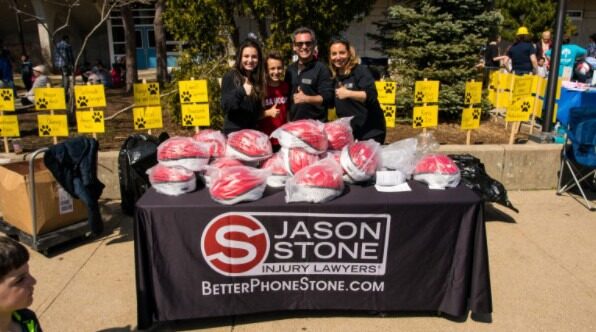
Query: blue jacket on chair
pixel 74 165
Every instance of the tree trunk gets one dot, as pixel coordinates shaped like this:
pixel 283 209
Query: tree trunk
pixel 160 42
pixel 131 57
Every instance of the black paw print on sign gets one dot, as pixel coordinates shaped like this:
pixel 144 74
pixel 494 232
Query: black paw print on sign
pixel 45 130
pixel 419 96
pixel 6 95
pixel 388 113
pixel 140 123
pixel 82 101
pixel 525 107
pixel 42 103
pixel 476 114
pixel 468 98
pixel 97 116
pixel 152 88
pixel 186 96
pixel 188 119
pixel 418 121
pixel 388 88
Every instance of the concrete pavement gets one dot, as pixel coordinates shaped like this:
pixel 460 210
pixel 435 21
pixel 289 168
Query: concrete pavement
pixel 542 265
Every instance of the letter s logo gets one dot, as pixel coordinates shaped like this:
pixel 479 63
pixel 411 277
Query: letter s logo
pixel 233 244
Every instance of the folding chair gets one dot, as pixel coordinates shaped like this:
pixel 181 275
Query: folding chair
pixel 579 153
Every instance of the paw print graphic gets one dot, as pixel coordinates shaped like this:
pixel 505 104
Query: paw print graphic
pixel 82 101
pixel 468 98
pixel 188 119
pixel 525 107
pixel 418 121
pixel 42 103
pixel 140 123
pixel 97 116
pixel 388 113
pixel 45 130
pixel 152 88
pixel 419 96
pixel 476 114
pixel 388 88
pixel 6 95
pixel 186 96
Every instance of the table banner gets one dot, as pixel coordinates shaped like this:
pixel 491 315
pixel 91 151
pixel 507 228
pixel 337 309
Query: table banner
pixel 423 250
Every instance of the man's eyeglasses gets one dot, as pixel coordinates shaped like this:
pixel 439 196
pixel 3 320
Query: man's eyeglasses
pixel 306 43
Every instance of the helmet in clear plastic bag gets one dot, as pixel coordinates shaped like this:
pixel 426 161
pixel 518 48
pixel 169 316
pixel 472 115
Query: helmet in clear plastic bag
pixel 236 184
pixel 306 134
pixel 248 145
pixel 183 151
pixel 316 183
pixel 361 160
pixel 215 139
pixel 438 171
pixel 172 181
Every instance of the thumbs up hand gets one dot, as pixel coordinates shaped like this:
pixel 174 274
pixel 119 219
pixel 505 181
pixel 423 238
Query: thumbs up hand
pixel 300 97
pixel 272 112
pixel 341 92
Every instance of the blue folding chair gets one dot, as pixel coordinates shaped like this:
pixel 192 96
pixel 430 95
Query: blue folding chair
pixel 579 152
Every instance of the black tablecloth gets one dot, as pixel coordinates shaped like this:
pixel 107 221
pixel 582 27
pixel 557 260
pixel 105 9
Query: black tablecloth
pixel 423 250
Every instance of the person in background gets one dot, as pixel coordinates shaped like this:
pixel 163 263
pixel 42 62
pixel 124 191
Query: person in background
pixel 569 54
pixel 309 80
pixel 543 45
pixel 64 60
pixel 26 71
pixel 40 80
pixel 522 53
pixel 115 75
pixel 6 77
pixel 541 70
pixel 355 92
pixel 243 89
pixel 276 97
pixel 492 58
pixel 16 288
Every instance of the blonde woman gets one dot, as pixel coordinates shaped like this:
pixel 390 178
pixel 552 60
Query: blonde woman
pixel 355 92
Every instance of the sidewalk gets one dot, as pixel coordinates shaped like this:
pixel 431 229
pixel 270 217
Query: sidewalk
pixel 542 264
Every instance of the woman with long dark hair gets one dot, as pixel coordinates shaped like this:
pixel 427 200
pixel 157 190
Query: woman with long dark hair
pixel 355 92
pixel 242 89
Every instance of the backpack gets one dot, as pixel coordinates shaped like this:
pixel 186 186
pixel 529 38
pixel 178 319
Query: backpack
pixel 137 154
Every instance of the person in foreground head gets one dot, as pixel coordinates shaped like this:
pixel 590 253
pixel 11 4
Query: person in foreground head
pixel 310 82
pixel 355 92
pixel 16 288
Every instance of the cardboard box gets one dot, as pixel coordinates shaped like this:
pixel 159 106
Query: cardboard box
pixel 55 208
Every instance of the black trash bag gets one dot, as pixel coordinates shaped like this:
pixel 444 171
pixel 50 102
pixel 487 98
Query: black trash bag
pixel 137 155
pixel 474 176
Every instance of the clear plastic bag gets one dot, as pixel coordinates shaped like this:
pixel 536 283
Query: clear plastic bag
pixel 361 160
pixel 339 133
pixel 279 175
pixel 172 181
pixel 219 163
pixel 306 134
pixel 426 143
pixel 400 156
pixel 237 184
pixel 317 183
pixel 438 171
pixel 248 145
pixel 183 151
pixel 215 139
pixel 295 159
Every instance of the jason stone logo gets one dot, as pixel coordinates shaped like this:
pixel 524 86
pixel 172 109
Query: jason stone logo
pixel 271 243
